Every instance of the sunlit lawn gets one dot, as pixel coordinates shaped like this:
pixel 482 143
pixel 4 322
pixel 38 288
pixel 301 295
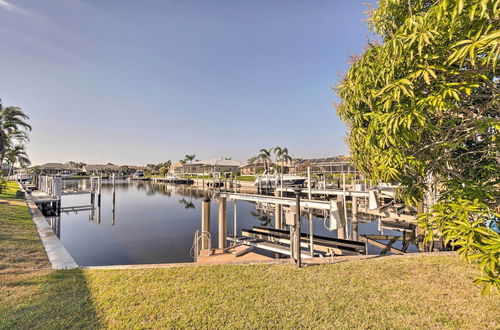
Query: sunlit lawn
pixel 418 292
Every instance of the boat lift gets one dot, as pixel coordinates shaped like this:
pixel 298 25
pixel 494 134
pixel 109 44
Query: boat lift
pixel 276 239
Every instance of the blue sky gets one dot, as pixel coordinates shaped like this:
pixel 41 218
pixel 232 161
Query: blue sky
pixel 134 82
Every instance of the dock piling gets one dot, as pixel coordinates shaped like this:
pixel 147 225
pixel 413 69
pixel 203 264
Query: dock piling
pixel 205 224
pixel 235 220
pixel 99 185
pixel 296 230
pixel 222 237
pixel 278 213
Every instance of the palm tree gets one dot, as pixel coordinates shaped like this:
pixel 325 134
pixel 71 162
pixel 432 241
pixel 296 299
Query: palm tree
pixel 17 154
pixel 165 167
pixel 278 151
pixel 283 157
pixel 13 127
pixel 167 164
pixel 252 160
pixel 190 159
pixel 265 156
pixel 183 162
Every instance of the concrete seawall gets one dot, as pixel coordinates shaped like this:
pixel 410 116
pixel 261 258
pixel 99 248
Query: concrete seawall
pixel 57 254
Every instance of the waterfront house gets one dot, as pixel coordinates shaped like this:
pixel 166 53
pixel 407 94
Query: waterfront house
pixel 176 168
pixel 330 165
pixel 54 168
pixel 207 167
pixel 101 169
pixel 252 168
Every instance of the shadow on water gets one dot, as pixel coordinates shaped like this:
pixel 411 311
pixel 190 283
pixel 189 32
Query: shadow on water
pixel 64 301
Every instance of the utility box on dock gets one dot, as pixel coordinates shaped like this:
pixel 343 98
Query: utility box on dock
pixel 359 187
pixel 290 216
pixel 373 201
pixel 337 215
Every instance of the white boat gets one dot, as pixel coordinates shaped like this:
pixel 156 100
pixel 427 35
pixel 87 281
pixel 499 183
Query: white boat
pixel 137 175
pixel 271 181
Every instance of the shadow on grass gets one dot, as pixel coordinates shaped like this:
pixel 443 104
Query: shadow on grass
pixel 63 301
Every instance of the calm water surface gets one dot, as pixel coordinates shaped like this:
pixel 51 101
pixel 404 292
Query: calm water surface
pixel 153 223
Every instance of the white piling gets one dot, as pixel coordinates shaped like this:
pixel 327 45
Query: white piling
pixel 309 185
pixel 222 237
pixel 346 235
pixel 235 221
pixel 205 224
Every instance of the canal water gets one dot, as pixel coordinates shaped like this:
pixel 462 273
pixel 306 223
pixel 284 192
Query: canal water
pixel 155 223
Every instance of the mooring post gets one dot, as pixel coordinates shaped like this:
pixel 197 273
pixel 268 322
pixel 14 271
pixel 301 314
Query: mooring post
pixel 354 208
pixel 205 224
pixel 222 223
pixel 235 221
pixel 297 192
pixel 291 225
pixel 355 218
pixel 58 192
pixel 309 184
pixel 311 233
pixel 278 212
pixel 114 201
pixel 344 201
pixel 99 183
pixel 98 213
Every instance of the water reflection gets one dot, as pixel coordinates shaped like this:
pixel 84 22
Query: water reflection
pixel 145 222
pixel 265 218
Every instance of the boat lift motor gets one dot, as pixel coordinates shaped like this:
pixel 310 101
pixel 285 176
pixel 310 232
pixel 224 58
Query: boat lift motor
pixel 337 216
pixel 373 201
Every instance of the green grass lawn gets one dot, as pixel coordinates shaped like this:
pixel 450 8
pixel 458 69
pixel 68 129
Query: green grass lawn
pixel 403 292
pixel 10 191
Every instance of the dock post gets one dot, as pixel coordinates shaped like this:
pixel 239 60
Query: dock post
pixel 235 221
pixel 113 210
pixel 58 192
pixel 344 201
pixel 205 224
pixel 222 237
pixel 309 184
pixel 311 234
pixel 355 218
pixel 298 256
pixel 354 207
pixel 99 184
pixel 278 213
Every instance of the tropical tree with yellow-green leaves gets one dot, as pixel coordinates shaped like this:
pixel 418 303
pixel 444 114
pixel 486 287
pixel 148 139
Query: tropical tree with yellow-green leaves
pixel 422 106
